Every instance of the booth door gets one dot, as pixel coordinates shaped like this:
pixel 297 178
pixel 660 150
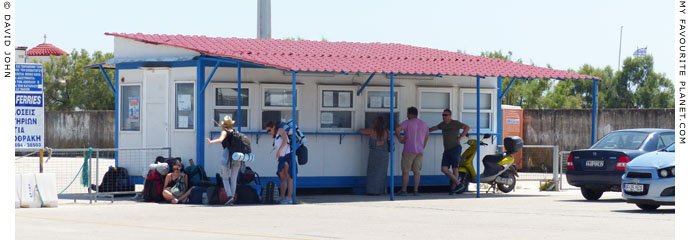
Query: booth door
pixel 156 109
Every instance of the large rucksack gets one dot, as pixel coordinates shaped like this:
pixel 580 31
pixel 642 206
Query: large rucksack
pixel 153 186
pixel 195 175
pixel 299 136
pixel 237 142
pixel 270 193
pixel 245 194
pixel 116 180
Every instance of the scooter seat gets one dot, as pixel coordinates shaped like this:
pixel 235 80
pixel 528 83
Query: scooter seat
pixel 491 166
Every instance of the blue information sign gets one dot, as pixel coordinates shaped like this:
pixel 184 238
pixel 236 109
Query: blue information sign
pixel 29 78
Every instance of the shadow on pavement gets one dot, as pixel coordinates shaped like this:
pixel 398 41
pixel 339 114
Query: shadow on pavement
pixel 654 212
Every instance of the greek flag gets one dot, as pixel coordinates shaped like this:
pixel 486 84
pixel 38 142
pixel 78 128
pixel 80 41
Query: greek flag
pixel 640 52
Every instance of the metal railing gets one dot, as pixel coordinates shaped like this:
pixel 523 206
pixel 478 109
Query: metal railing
pixel 80 171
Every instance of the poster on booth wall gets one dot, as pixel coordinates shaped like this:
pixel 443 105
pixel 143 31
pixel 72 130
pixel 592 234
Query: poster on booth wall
pixel 184 102
pixel 133 109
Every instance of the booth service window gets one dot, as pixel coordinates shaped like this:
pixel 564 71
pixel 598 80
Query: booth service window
pixel 378 104
pixel 226 105
pixel 432 104
pixel 277 105
pixel 337 107
pixel 469 109
pixel 130 108
pixel 184 106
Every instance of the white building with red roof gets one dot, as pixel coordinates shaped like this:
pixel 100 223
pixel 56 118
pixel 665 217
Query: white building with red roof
pixel 171 89
pixel 39 53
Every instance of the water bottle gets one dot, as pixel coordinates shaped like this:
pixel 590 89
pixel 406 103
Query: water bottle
pixel 204 198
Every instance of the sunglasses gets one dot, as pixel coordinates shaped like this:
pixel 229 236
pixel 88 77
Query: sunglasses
pixel 445 115
pixel 176 169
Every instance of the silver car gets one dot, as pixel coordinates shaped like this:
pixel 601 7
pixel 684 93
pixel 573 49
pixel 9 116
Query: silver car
pixel 650 179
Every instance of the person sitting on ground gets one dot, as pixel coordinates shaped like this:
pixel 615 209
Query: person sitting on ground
pixel 176 185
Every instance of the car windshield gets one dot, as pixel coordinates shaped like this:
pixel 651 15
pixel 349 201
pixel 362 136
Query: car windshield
pixel 622 140
pixel 670 148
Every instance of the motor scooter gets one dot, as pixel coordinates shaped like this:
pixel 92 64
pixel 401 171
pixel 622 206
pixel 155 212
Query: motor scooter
pixel 499 169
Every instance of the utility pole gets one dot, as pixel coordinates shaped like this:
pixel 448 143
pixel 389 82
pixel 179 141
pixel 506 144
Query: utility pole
pixel 619 49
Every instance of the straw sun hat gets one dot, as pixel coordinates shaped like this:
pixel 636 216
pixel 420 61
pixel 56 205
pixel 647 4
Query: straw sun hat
pixel 227 122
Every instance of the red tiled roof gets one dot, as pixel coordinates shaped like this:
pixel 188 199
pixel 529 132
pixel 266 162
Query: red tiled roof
pixel 46 49
pixel 320 56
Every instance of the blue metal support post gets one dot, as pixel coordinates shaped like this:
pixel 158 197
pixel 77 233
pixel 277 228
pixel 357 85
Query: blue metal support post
pixel 107 78
pixel 499 124
pixel 239 97
pixel 594 112
pixel 201 128
pixel 293 147
pixel 390 134
pixel 365 84
pixel 479 156
pixel 117 110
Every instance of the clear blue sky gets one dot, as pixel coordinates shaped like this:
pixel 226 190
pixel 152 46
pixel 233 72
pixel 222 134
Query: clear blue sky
pixel 565 34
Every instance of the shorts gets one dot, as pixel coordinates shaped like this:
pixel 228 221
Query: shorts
pixel 451 157
pixel 411 162
pixel 281 164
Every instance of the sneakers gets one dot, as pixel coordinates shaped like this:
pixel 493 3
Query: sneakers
pixel 458 188
pixel 229 202
pixel 286 201
pixel 451 192
pixel 401 193
pixel 415 193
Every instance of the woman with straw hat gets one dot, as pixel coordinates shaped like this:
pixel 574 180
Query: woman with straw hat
pixel 230 168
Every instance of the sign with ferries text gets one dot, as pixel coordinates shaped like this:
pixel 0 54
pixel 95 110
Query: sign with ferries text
pixel 28 106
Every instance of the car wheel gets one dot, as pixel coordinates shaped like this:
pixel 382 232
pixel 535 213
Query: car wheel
pixel 647 207
pixel 591 194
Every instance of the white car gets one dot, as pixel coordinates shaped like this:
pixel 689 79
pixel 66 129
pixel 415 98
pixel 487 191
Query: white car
pixel 650 179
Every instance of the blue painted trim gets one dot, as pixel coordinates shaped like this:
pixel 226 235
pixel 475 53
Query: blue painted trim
pixel 478 138
pixel 232 62
pixel 390 133
pixel 239 97
pixel 293 148
pixel 503 93
pixel 174 64
pixel 117 110
pixel 365 84
pixel 200 111
pixel 594 112
pixel 107 78
pixel 203 89
pixel 499 124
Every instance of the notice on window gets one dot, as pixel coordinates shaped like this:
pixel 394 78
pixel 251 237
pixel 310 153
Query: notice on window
pixel 344 100
pixel 133 109
pixel 327 99
pixel 277 99
pixel 183 122
pixel 387 101
pixel 375 102
pixel 184 102
pixel 326 118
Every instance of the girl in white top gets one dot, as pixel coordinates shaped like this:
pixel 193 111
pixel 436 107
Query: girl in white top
pixel 284 157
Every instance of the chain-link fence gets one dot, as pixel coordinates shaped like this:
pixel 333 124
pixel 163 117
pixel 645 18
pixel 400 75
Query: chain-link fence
pixel 91 172
pixel 541 163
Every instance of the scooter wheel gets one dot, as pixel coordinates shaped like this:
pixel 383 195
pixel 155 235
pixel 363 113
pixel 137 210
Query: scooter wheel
pixel 505 187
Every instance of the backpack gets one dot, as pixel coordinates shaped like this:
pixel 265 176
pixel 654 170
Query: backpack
pixel 245 194
pixel 247 176
pixel 196 197
pixel 153 186
pixel 237 142
pixel 195 175
pixel 116 180
pixel 302 155
pixel 301 139
pixel 212 194
pixel 270 194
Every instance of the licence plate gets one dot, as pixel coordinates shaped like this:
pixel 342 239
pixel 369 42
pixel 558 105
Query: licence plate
pixel 634 187
pixel 594 163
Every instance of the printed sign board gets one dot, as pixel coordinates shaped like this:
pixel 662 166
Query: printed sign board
pixel 28 106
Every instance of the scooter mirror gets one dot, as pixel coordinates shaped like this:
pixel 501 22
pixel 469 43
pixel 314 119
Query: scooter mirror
pixel 487 136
